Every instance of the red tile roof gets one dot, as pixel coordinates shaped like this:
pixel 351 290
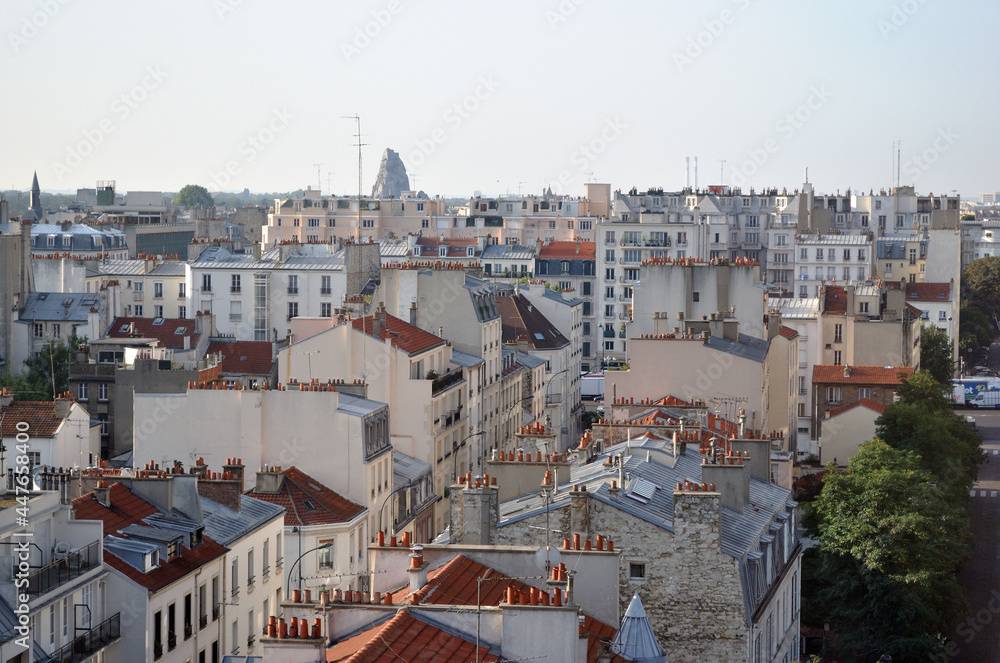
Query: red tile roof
pixel 788 332
pixel 885 375
pixel 673 401
pixel 298 488
pixel 568 251
pixel 455 583
pixel 405 336
pixel 655 418
pixel 39 415
pixel 243 357
pixel 128 508
pixel 170 333
pixel 871 405
pixel 406 638
pixel 928 292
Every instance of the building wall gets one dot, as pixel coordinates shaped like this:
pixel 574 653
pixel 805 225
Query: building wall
pixel 263 596
pixel 842 434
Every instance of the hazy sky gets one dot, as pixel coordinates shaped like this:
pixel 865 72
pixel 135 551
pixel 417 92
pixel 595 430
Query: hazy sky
pixel 493 96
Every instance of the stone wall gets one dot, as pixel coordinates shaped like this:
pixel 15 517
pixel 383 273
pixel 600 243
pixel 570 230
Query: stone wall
pixel 691 591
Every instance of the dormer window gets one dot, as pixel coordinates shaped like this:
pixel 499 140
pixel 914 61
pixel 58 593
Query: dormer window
pixel 416 250
pixel 173 549
pixel 470 251
pixel 442 251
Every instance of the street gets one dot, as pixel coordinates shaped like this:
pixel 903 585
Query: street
pixel 977 637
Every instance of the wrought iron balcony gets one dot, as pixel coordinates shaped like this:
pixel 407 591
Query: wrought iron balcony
pixel 93 641
pixel 73 565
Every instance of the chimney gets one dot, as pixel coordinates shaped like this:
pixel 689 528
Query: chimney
pixel 847 371
pixel 579 511
pixel 378 320
pixel 269 480
pixel 773 324
pixel 64 403
pixel 413 313
pixel 732 478
pixel 102 493
pixel 849 290
pixel 473 512
pixel 6 397
pixel 222 488
pixel 417 571
pixel 756 454
pixel 234 466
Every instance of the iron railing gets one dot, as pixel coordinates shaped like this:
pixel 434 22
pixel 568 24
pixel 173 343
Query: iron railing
pixel 103 635
pixel 73 565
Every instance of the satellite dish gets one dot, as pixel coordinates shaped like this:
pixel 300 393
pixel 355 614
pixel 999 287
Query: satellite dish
pixel 553 557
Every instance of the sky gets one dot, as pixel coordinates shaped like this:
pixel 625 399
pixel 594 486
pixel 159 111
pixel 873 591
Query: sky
pixel 500 97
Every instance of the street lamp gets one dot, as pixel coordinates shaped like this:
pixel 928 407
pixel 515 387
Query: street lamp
pixel 288 583
pixel 411 484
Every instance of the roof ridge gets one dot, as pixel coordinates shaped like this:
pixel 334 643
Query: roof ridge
pixel 375 647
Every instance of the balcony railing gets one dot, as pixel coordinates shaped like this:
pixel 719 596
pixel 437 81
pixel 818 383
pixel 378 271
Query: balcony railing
pixel 103 635
pixel 250 640
pixel 215 612
pixel 203 621
pixel 446 381
pixel 70 567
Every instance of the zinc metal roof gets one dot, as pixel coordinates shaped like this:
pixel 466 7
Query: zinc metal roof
pixel 358 406
pixel 59 306
pixel 407 468
pixel 226 526
pixel 748 347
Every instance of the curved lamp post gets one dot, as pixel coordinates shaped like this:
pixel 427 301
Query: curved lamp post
pixel 291 571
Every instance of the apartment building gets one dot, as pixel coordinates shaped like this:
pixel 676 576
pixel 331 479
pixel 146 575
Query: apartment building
pixel 78 241
pixel 16 281
pixel 938 307
pixel 142 288
pixel 71 613
pixel 411 370
pixel 46 317
pixel 831 259
pixel 838 386
pixel 901 258
pixel 347 449
pixel 869 324
pixel 803 316
pixel 314 516
pixel 571 267
pixel 525 327
pixel 61 433
pixel 254 299
pixel 659 506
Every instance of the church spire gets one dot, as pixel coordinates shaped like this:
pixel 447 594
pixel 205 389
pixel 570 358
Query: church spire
pixel 35 202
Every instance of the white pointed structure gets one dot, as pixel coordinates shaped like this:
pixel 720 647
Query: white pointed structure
pixel 635 641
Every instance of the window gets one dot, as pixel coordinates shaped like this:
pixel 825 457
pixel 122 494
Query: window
pixel 609 310
pixel 293 285
pixel 837 355
pixel 636 571
pixel 182 312
pixel 609 255
pixel 586 288
pixel 838 332
pixel 833 395
pixel 325 309
pixel 235 577
pixel 609 236
pixel 609 274
pixel 52 624
pixel 250 568
pixel 695 296
pixel 609 292
pixel 314 223
pixel 236 283
pixel 137 286
pixel 324 285
pixel 158 289
pixel 266 562
pixel 293 310
pixel 864 392
pixel 56 330
pixel 206 283
pixel 587 306
pixel 102 391
pixel 181 290
pixel 65 617
pixel 368 223
pixel 325 556
pixel 863 307
pixel 138 310
pixel 942 316
pixel 819 254
pixel 215 598
pixel 609 346
pixel 38 330
pixel 682 239
pixel 847 255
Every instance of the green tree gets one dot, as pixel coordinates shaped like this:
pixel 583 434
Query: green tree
pixel 935 353
pixel 981 285
pixel 975 329
pixel 892 541
pixel 37 382
pixel 194 195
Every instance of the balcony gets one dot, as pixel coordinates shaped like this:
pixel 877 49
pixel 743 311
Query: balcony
pixel 171 641
pixel 203 621
pixel 216 610
pixel 609 333
pixel 624 316
pixel 445 382
pixel 250 640
pixel 72 566
pixel 625 298
pixel 90 643
pixel 188 631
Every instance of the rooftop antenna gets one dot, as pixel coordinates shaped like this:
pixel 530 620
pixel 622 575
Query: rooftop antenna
pixel 329 189
pixel 722 170
pixel 319 178
pixel 519 188
pixel 591 176
pixel 359 145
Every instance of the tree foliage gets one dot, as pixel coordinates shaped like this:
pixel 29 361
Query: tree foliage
pixel 935 353
pixel 981 286
pixel 975 329
pixel 37 382
pixel 194 195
